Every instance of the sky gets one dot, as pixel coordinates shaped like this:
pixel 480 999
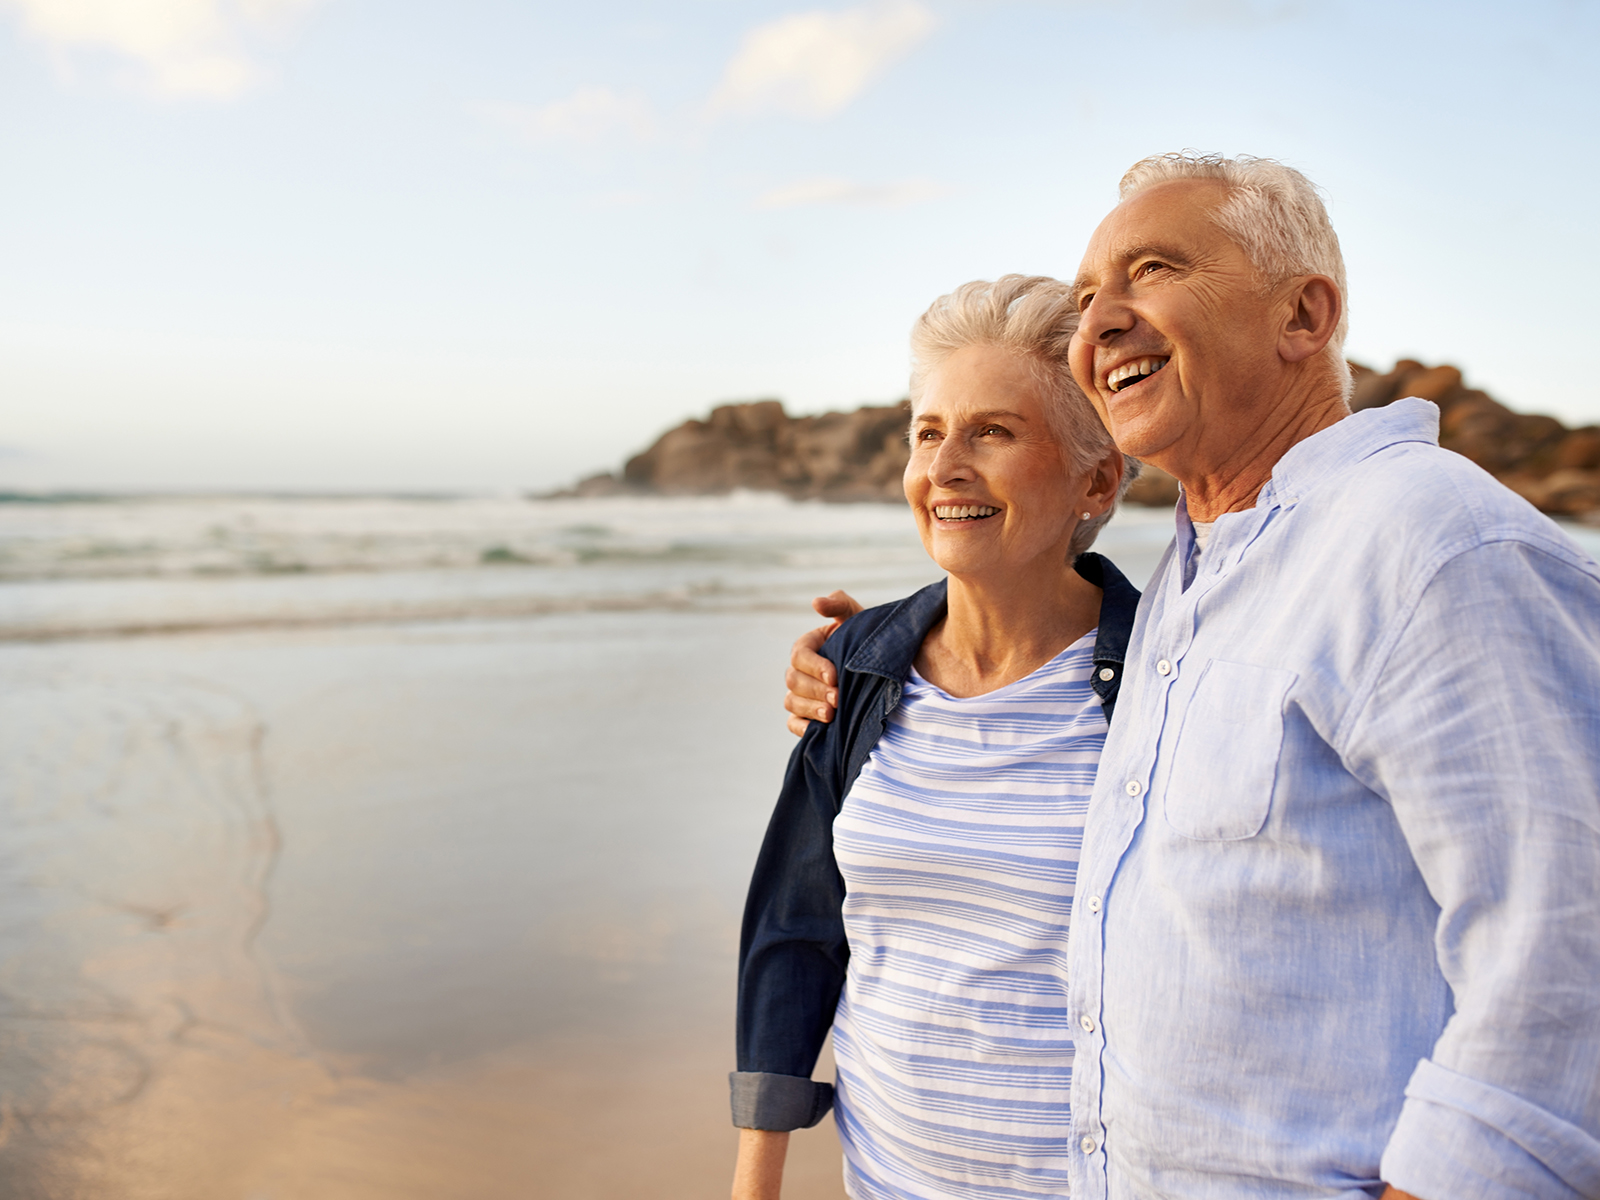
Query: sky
pixel 486 245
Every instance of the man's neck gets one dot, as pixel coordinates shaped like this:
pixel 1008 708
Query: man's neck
pixel 1229 481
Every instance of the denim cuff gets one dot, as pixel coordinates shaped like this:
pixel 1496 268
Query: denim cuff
pixel 1463 1138
pixel 777 1102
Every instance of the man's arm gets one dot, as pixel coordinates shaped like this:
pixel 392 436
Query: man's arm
pixel 1482 730
pixel 811 679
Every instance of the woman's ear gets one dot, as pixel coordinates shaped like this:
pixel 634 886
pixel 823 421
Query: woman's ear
pixel 1313 314
pixel 1105 479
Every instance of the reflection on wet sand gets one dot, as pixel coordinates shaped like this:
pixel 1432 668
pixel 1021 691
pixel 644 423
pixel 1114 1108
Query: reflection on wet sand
pixel 226 1119
pixel 140 846
pixel 304 915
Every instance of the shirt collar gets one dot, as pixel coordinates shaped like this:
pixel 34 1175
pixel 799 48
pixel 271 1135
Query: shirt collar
pixel 1186 539
pixel 1326 454
pixel 1321 456
pixel 1118 604
pixel 891 648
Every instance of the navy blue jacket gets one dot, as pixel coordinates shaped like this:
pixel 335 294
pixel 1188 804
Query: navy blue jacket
pixel 793 953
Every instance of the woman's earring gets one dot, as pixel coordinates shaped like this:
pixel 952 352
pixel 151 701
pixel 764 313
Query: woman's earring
pixel 1085 516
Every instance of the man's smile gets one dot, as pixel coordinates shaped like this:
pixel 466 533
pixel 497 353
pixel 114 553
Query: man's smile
pixel 1136 371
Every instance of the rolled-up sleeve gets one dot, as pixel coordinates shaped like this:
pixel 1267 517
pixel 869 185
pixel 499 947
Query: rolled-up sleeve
pixel 1457 1134
pixel 780 1103
pixel 1482 730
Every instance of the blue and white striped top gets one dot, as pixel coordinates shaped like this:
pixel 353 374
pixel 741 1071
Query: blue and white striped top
pixel 959 848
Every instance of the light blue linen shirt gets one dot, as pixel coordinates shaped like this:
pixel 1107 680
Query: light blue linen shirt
pixel 1339 903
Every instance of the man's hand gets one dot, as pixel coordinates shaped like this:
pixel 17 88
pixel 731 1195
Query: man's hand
pixel 811 679
pixel 1390 1193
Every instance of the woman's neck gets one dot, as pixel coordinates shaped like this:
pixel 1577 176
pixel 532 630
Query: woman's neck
pixel 1000 631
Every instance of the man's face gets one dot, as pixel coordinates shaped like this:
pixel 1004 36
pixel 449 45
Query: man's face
pixel 1176 344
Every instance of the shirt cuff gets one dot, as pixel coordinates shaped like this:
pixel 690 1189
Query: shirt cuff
pixel 777 1102
pixel 1461 1139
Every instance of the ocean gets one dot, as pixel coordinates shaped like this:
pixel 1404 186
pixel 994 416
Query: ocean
pixel 395 846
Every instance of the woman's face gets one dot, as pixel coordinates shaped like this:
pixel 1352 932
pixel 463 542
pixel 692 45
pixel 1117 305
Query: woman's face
pixel 986 479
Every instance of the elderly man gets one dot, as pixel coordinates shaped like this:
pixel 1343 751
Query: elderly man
pixel 1338 925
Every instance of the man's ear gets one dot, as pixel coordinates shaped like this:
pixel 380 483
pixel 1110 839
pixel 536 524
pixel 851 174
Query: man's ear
pixel 1313 310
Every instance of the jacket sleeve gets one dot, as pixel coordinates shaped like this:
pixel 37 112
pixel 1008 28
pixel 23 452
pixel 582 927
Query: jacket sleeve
pixel 1484 733
pixel 792 952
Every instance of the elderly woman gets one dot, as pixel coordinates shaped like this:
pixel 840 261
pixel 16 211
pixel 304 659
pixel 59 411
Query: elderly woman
pixel 915 886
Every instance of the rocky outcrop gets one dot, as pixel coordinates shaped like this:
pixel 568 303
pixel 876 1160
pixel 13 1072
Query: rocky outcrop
pixel 1555 468
pixel 837 456
pixel 860 455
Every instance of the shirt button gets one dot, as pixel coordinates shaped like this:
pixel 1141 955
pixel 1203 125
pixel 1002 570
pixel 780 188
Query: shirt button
pixel 1134 787
pixel 1107 674
pixel 1163 667
pixel 1094 903
pixel 1087 1022
pixel 1089 1146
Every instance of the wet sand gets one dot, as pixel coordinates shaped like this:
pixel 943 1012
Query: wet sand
pixel 443 911
pixel 587 1120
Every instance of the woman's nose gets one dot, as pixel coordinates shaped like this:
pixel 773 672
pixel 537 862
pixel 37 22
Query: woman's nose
pixel 952 463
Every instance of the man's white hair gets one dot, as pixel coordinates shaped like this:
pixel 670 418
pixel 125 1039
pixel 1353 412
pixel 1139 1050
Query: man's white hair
pixel 1035 317
pixel 1273 212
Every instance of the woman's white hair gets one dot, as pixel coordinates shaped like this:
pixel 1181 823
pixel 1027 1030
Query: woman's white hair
pixel 1273 212
pixel 1035 317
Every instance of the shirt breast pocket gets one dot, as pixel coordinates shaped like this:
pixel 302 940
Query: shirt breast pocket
pixel 1226 760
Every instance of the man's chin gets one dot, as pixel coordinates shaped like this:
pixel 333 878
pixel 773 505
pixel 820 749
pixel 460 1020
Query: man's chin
pixel 1142 435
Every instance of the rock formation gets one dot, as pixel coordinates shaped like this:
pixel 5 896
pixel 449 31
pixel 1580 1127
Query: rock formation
pixel 845 456
pixel 837 456
pixel 1557 469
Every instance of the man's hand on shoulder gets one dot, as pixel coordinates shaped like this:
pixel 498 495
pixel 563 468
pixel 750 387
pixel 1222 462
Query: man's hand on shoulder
pixel 811 679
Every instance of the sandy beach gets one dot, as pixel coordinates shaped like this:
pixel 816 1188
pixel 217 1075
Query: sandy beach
pixel 398 911
pixel 398 878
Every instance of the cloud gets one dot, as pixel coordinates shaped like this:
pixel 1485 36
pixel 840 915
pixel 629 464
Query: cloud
pixel 813 64
pixel 589 115
pixel 1242 12
pixel 808 193
pixel 186 48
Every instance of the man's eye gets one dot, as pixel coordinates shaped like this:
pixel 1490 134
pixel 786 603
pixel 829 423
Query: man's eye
pixel 1152 266
pixel 1083 301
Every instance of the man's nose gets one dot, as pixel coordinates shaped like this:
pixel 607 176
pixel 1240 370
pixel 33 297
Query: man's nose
pixel 1106 317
